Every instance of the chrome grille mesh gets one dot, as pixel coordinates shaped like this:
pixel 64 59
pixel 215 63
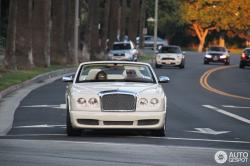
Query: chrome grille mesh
pixel 118 102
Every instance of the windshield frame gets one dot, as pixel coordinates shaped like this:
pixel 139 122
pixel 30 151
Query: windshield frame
pixel 125 47
pixel 217 49
pixel 79 71
pixel 171 47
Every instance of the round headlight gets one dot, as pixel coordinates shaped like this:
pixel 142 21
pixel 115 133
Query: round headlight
pixel 81 101
pixel 154 101
pixel 93 101
pixel 143 101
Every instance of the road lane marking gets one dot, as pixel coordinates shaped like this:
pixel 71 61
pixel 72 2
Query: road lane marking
pixel 136 144
pixel 60 106
pixel 208 131
pixel 204 83
pixel 32 135
pixel 237 107
pixel 40 126
pixel 228 113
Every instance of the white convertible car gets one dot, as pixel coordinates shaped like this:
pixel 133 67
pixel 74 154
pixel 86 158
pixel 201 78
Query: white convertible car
pixel 115 95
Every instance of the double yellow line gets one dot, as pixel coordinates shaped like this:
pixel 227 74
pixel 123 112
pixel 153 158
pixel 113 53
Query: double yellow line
pixel 204 83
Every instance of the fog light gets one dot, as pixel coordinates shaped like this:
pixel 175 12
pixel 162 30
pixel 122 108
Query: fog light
pixel 143 101
pixel 93 101
pixel 81 101
pixel 154 101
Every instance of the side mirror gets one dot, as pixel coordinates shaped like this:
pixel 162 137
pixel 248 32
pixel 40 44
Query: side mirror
pixel 164 79
pixel 68 78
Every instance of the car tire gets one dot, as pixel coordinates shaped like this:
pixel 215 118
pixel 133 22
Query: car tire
pixel 227 62
pixel 69 128
pixel 182 65
pixel 157 66
pixel 160 132
pixel 242 66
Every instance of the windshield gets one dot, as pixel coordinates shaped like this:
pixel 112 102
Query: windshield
pixel 247 51
pixel 121 46
pixel 220 49
pixel 115 73
pixel 170 50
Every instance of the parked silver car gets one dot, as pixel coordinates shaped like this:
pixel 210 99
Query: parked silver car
pixel 149 41
pixel 123 51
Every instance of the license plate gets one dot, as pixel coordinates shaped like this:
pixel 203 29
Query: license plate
pixel 167 62
pixel 215 58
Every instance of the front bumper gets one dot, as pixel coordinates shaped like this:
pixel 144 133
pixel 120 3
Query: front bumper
pixel 119 58
pixel 246 62
pixel 175 62
pixel 117 120
pixel 217 59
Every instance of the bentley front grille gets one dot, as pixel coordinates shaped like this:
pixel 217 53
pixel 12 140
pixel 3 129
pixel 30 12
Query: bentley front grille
pixel 118 102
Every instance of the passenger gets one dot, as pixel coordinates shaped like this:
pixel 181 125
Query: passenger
pixel 101 75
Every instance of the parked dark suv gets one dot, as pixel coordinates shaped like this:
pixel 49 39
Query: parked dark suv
pixel 217 54
pixel 245 58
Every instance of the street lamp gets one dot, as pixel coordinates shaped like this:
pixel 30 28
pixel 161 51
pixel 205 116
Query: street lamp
pixel 155 25
pixel 76 26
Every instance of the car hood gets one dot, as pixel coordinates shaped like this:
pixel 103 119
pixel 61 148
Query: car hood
pixel 96 87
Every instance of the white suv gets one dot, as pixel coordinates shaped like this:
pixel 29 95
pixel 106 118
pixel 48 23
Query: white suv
pixel 124 50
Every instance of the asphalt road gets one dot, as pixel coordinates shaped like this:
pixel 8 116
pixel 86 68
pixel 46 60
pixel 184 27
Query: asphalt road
pixel 199 123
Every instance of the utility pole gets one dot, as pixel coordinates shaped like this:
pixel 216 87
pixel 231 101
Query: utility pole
pixel 76 29
pixel 0 18
pixel 155 25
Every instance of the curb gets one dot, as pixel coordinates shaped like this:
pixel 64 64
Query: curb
pixel 37 79
pixel 9 102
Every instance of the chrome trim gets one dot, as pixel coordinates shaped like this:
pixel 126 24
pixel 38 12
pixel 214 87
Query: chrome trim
pixel 110 92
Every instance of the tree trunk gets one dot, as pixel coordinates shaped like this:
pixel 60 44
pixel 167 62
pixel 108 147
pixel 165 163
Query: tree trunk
pixel 142 23
pixel 222 41
pixel 69 30
pixel 113 22
pixel 201 46
pixel 23 49
pixel 41 32
pixel 58 54
pixel 202 34
pixel 9 59
pixel 105 26
pixel 94 48
pixel 134 20
pixel 123 28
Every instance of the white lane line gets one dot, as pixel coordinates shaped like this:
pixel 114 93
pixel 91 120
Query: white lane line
pixel 30 135
pixel 208 131
pixel 197 139
pixel 40 126
pixel 237 107
pixel 60 106
pixel 166 138
pixel 228 113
